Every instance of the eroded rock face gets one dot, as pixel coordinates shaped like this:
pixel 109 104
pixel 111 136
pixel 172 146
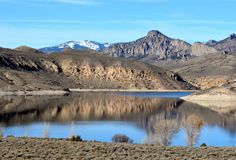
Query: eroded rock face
pixel 200 49
pixel 49 66
pixel 120 76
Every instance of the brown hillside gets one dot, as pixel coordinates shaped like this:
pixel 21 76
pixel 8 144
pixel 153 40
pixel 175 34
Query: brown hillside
pixel 80 69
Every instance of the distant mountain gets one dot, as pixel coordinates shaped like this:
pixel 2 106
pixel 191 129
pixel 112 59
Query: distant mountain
pixel 159 47
pixel 86 44
pixel 228 44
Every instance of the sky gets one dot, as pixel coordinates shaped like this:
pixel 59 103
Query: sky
pixel 41 23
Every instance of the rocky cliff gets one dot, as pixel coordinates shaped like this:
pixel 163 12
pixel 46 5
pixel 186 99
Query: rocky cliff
pixel 158 46
pixel 84 69
pixel 200 49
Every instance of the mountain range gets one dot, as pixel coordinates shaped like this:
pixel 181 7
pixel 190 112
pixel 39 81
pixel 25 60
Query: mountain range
pixel 88 64
pixel 155 45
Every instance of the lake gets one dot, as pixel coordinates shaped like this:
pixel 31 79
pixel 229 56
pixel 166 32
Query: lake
pixel 153 118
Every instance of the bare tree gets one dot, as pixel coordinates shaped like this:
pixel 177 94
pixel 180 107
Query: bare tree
pixel 164 131
pixel 192 126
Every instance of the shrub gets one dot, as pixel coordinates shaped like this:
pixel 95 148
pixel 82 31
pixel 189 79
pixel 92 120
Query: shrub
pixel 10 136
pixel 121 138
pixel 76 138
pixel 203 145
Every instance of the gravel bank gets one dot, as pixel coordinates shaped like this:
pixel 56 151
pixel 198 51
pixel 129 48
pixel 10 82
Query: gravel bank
pixel 30 148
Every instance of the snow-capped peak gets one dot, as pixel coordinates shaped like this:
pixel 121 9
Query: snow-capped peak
pixel 83 44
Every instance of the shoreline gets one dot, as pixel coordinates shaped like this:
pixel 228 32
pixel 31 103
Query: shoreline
pixel 65 92
pixel 42 148
pixel 208 97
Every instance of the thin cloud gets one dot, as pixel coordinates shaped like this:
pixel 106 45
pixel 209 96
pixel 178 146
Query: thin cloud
pixel 92 2
pixel 140 22
pixel 77 2
pixel 81 2
pixel 46 2
pixel 25 2
pixel 144 0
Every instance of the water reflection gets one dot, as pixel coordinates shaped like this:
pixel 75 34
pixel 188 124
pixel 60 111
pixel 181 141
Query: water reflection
pixel 164 131
pixel 192 125
pixel 160 119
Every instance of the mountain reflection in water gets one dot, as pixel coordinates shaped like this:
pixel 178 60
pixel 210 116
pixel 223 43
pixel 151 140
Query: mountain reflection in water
pixel 161 119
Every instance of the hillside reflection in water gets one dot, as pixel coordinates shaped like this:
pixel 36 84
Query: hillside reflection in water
pixel 99 116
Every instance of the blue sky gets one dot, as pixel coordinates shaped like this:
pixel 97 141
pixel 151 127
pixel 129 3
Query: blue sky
pixel 40 23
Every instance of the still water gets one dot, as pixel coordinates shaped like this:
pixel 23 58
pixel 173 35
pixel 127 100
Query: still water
pixel 153 118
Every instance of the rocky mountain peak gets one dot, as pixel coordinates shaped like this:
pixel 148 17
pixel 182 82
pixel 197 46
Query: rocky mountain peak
pixel 155 44
pixel 154 33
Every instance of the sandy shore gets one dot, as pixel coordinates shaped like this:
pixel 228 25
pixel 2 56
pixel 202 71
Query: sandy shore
pixel 210 97
pixel 29 148
pixel 221 99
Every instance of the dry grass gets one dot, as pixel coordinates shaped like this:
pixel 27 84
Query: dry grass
pixel 25 148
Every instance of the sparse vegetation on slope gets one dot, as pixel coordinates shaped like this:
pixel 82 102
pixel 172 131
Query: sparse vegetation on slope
pixel 29 148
